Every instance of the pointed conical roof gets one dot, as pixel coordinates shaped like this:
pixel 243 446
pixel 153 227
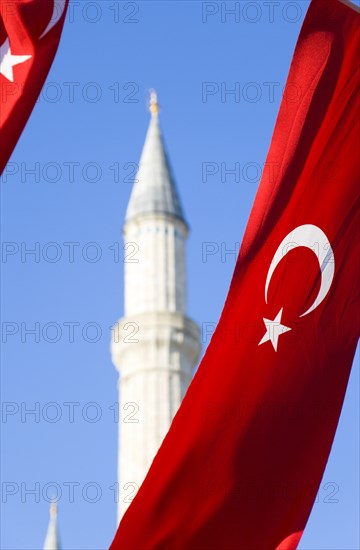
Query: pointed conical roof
pixel 52 538
pixel 154 190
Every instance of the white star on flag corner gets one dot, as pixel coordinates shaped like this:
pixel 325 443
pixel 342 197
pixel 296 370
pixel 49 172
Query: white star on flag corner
pixel 32 48
pixel 274 329
pixel 8 60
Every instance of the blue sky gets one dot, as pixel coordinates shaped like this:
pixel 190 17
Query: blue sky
pixel 64 196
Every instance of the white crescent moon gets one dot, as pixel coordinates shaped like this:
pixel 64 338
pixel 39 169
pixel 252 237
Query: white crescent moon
pixel 309 236
pixel 59 7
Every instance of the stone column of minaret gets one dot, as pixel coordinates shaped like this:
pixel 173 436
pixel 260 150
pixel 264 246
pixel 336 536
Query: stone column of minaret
pixel 155 346
pixel 52 537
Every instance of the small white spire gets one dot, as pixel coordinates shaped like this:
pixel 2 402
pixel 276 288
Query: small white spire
pixel 154 107
pixel 52 538
pixel 154 189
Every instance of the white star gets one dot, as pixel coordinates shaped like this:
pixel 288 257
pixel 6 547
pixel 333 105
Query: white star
pixel 273 330
pixel 7 60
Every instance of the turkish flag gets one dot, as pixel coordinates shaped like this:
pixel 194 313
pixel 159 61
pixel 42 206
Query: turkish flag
pixel 242 462
pixel 30 31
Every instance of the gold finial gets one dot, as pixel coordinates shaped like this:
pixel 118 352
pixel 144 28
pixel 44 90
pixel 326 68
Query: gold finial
pixel 53 510
pixel 154 106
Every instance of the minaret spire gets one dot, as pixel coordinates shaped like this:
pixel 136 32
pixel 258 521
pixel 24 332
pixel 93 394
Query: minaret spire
pixel 155 190
pixel 52 537
pixel 154 107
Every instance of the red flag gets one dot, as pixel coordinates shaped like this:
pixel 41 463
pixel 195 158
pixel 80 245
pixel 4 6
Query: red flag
pixel 30 31
pixel 243 459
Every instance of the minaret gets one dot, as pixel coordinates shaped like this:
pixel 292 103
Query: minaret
pixel 52 537
pixel 155 345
